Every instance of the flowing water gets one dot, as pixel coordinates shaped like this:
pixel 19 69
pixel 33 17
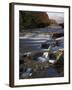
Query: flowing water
pixel 33 41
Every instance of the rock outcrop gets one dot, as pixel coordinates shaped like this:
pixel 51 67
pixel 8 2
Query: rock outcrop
pixel 33 19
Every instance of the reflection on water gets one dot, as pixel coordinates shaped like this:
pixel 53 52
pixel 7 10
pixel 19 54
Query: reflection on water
pixel 52 72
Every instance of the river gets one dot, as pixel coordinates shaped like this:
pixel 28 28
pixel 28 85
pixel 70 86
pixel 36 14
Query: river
pixel 33 40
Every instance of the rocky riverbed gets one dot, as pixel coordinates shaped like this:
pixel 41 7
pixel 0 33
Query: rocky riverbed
pixel 31 67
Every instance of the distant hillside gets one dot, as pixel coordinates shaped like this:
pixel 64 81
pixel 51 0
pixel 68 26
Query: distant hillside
pixel 58 16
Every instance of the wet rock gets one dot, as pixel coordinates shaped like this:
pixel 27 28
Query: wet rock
pixel 29 70
pixel 45 46
pixel 26 75
pixel 42 59
pixel 21 61
pixel 52 56
pixel 57 35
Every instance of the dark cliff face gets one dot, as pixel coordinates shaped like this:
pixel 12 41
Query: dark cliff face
pixel 42 19
pixel 33 19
